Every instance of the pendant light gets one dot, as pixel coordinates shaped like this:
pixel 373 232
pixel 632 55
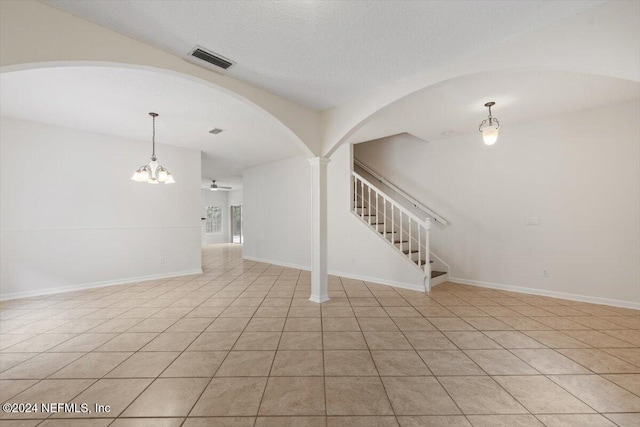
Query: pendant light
pixel 489 127
pixel 153 173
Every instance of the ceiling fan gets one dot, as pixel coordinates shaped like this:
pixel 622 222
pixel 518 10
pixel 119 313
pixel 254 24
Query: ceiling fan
pixel 216 187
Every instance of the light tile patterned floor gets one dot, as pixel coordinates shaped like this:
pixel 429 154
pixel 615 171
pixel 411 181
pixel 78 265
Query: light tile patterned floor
pixel 240 345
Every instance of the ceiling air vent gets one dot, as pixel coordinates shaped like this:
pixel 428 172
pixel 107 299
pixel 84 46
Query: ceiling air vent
pixel 216 131
pixel 213 60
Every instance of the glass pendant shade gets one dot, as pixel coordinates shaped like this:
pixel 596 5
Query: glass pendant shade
pixel 490 135
pixel 153 173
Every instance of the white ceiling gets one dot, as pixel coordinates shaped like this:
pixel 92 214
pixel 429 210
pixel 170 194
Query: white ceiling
pixel 323 53
pixel 117 101
pixel 456 106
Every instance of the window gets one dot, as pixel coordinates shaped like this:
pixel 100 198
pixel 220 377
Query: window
pixel 214 220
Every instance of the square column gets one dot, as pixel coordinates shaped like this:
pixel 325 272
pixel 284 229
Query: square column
pixel 319 286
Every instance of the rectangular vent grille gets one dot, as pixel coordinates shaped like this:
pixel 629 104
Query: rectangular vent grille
pixel 211 58
pixel 215 131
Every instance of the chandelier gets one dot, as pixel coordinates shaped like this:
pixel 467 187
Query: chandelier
pixel 153 173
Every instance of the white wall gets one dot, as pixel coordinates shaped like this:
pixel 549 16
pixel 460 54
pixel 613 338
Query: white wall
pixel 277 212
pixel 71 217
pixel 216 199
pixel 578 173
pixel 235 197
pixel 277 223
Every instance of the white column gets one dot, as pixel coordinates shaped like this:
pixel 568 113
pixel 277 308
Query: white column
pixel 319 229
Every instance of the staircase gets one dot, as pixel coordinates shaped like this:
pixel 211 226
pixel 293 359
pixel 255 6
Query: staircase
pixel 402 229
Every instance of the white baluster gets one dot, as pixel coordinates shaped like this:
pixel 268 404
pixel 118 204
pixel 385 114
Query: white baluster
pixel 384 216
pixel 362 199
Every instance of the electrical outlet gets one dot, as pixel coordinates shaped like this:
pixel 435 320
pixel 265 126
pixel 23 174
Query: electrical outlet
pixel 161 260
pixel 545 273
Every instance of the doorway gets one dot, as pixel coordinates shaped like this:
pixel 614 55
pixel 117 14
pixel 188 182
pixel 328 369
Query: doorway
pixel 236 224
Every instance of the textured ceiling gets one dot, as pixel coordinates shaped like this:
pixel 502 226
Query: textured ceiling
pixel 116 101
pixel 324 53
pixel 456 106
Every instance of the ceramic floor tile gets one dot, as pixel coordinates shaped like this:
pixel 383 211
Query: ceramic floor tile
pixel 92 365
pixel 429 341
pixel 132 341
pixel 630 382
pixel 500 362
pixel 339 324
pixel 167 397
pixel 450 362
pixel 293 396
pixel 434 421
pixel 344 341
pixel 541 396
pixel 625 420
pixel 9 388
pixel 575 420
pixel 300 341
pixel 381 421
pixel 599 361
pixel 144 365
pixel 40 366
pixel 257 341
pixel 246 364
pixel 513 339
pixel 211 341
pixel 117 393
pixel 418 396
pixel 297 363
pixel 290 421
pixel 399 363
pixel 147 422
pixel 550 362
pixel 386 341
pixel 171 341
pixel 347 363
pixel 356 396
pixel 472 340
pixel 480 395
pixel 599 393
pixel 195 364
pixel 231 397
pixel 504 421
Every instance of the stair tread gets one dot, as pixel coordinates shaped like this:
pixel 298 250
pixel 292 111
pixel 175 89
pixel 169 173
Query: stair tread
pixel 423 262
pixel 435 274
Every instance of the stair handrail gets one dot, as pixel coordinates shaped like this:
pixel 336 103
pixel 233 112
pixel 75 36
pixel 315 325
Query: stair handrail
pixel 395 188
pixel 411 215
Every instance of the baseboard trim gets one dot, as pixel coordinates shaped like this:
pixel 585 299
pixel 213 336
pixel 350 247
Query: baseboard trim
pixel 280 263
pixel 72 288
pixel 439 280
pixel 403 285
pixel 545 293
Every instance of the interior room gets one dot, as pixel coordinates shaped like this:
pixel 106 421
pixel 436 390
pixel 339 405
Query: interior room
pixel 320 213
